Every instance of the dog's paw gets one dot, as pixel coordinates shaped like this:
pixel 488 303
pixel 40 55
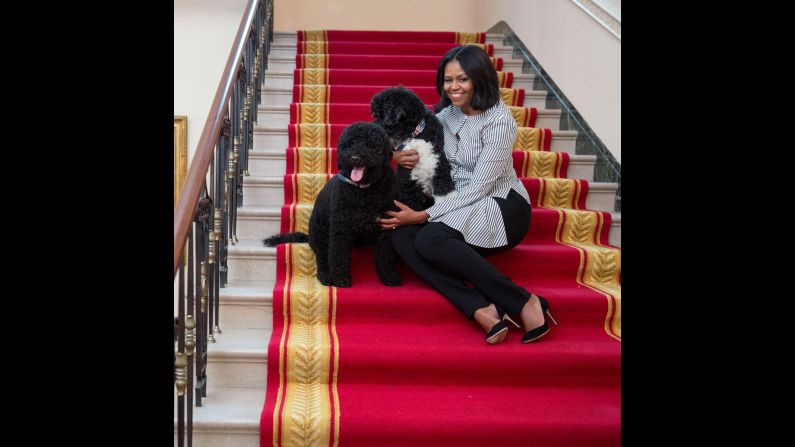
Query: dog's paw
pixel 391 281
pixel 324 279
pixel 342 282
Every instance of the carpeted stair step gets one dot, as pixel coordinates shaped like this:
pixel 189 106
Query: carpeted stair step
pixel 389 36
pixel 477 415
pixel 258 222
pixel 288 38
pixel 364 48
pixel 409 78
pixel 281 50
pixel 562 361
pixel 292 37
pixel 412 78
pixel 249 258
pixel 346 113
pixel 313 135
pixel 362 94
pixel 576 194
pixel 526 163
pixel 285 64
pixel 373 62
pixel 549 258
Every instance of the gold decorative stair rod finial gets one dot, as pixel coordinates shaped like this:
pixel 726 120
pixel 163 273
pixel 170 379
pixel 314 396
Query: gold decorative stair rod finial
pixel 181 373
pixel 190 335
pixel 215 235
pixel 217 224
pixel 233 161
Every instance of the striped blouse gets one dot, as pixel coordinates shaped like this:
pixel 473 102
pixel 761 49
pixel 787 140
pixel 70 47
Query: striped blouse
pixel 479 149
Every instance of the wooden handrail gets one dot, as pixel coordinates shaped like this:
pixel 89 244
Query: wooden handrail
pixel 189 198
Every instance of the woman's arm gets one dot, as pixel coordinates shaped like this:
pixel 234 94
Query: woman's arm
pixel 406 216
pixel 406 158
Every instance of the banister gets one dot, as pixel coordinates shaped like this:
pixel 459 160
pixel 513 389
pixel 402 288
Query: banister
pixel 194 182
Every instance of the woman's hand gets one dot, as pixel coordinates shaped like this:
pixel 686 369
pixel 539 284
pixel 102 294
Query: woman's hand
pixel 406 216
pixel 406 158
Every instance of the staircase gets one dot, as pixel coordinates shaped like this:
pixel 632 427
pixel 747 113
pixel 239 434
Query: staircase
pixel 237 363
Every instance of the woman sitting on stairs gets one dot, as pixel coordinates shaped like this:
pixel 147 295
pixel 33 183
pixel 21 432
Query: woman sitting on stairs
pixel 445 244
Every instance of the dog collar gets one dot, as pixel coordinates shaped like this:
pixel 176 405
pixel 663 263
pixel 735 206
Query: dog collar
pixel 351 182
pixel 417 130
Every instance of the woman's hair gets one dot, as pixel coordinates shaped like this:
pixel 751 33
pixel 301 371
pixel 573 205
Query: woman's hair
pixel 477 65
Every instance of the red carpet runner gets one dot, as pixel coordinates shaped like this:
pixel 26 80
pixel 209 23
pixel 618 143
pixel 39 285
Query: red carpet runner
pixel 375 365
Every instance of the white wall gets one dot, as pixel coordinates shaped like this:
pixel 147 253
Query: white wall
pixel 414 15
pixel 581 56
pixel 204 31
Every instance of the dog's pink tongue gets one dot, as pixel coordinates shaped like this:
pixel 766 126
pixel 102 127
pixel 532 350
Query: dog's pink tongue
pixel 357 173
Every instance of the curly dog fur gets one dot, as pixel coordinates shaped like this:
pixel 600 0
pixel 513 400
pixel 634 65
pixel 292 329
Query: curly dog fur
pixel 399 110
pixel 346 210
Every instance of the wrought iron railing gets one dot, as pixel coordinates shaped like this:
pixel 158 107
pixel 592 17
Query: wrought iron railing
pixel 607 168
pixel 205 217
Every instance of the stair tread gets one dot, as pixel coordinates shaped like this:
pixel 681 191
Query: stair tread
pixel 248 292
pixel 290 90
pixel 257 210
pixel 229 408
pixel 264 108
pixel 591 185
pixel 251 247
pixel 281 129
pixel 281 154
pixel 241 340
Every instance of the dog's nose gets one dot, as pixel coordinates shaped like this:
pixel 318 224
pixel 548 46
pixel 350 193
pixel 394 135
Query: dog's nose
pixel 355 159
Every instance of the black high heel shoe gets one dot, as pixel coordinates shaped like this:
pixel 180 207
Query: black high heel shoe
pixel 534 334
pixel 497 333
pixel 502 315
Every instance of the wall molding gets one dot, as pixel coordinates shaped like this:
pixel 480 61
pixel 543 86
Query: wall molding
pixel 601 15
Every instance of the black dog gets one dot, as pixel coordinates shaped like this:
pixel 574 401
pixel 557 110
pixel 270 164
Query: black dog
pixel 411 125
pixel 347 208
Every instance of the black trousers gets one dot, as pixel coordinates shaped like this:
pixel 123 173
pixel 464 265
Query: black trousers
pixel 440 256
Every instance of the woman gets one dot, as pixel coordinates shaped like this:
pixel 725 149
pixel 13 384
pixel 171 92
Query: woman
pixel 445 244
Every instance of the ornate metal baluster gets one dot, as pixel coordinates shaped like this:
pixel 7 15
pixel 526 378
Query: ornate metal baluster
pixel 180 361
pixel 190 334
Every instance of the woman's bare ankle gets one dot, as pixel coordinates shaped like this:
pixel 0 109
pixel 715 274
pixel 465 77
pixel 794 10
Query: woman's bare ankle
pixel 487 317
pixel 532 316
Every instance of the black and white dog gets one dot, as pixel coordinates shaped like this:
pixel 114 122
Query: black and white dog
pixel 411 125
pixel 346 210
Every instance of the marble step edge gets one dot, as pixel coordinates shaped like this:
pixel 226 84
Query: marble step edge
pixel 227 427
pixel 517 77
pixel 559 134
pixel 528 94
pixel 284 45
pixel 279 155
pixel 214 416
pixel 279 181
pixel 292 36
pixel 286 60
pixel 274 213
pixel 285 110
pixel 274 181
pixel 260 297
